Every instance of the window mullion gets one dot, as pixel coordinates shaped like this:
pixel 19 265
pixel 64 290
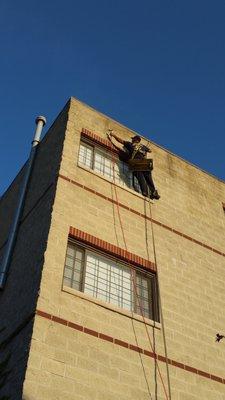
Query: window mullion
pixel 151 298
pixel 73 268
pixel 154 298
pixel 134 290
pixel 121 288
pixel 84 271
pixel 110 278
pixel 96 279
pixel 93 161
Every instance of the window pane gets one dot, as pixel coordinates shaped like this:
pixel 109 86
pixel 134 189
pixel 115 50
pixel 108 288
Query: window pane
pixel 86 155
pixel 75 285
pixel 144 295
pixel 73 266
pixel 68 273
pixel 113 169
pixel 99 164
pixel 69 262
pixel 79 254
pixel 70 250
pixel 66 281
pixel 108 281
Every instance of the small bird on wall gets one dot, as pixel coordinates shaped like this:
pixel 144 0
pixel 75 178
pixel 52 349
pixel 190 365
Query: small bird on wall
pixel 219 337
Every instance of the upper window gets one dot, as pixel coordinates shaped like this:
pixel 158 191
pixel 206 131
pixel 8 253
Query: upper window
pixel 113 282
pixel 101 161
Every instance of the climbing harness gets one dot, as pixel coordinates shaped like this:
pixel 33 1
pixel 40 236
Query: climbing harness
pixel 139 148
pixel 141 165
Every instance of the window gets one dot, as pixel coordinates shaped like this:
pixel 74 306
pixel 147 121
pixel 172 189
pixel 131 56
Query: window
pixel 101 161
pixel 111 281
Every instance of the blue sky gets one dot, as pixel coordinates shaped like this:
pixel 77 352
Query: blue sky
pixel 156 66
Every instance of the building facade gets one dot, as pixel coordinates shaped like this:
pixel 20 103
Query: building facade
pixel 110 295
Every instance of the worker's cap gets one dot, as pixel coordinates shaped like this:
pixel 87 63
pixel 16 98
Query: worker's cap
pixel 136 137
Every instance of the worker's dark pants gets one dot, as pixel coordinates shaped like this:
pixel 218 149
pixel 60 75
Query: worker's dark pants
pixel 145 181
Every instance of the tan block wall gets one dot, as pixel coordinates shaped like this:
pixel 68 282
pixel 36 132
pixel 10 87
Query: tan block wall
pixel 69 364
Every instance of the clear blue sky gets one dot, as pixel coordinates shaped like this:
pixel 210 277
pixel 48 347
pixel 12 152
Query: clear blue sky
pixel 156 66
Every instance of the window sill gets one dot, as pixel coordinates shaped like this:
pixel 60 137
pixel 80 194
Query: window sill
pixel 132 191
pixel 110 307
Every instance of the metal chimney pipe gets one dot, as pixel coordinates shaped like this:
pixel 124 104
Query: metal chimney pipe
pixel 4 267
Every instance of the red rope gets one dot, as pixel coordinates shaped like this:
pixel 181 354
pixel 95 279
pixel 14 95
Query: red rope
pixel 134 282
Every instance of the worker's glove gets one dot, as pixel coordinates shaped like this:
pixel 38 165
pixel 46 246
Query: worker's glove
pixel 109 134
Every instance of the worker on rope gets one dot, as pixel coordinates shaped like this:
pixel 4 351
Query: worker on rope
pixel 133 153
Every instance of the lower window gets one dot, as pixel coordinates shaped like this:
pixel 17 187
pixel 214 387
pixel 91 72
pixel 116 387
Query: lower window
pixel 111 281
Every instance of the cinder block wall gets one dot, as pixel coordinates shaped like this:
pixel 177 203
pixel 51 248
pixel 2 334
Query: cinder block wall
pixel 19 297
pixel 84 349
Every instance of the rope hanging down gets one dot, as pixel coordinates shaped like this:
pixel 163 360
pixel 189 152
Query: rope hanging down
pixel 132 269
pixel 160 303
pixel 168 397
pixel 159 297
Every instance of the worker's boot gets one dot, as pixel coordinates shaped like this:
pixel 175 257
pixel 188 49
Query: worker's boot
pixel 155 195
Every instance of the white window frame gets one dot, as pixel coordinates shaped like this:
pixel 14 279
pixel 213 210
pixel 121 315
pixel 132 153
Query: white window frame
pixel 121 300
pixel 119 177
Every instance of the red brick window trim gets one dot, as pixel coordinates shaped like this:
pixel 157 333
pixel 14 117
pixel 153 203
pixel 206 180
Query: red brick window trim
pixel 104 272
pixel 85 133
pixel 111 249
